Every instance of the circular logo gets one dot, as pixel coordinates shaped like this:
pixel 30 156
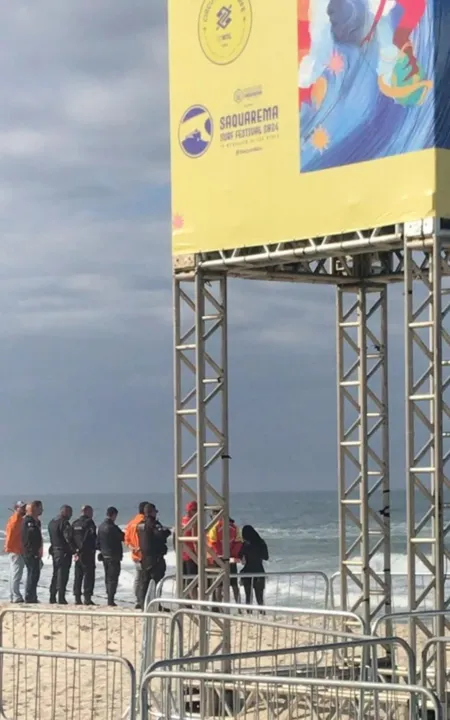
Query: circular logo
pixel 224 28
pixel 196 131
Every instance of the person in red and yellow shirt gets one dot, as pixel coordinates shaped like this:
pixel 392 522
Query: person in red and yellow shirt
pixel 132 541
pixel 13 546
pixel 215 542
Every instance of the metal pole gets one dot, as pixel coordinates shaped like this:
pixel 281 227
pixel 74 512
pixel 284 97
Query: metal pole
pixel 341 449
pixel 363 464
pixel 363 457
pixel 200 437
pixel 438 520
pixel 178 494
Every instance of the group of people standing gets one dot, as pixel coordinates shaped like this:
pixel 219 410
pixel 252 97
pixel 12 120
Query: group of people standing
pixel 246 547
pixel 78 542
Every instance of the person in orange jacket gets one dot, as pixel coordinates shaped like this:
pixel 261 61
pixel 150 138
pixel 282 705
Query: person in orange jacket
pixel 13 546
pixel 132 541
pixel 215 542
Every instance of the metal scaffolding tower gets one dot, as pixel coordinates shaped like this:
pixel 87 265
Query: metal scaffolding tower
pixel 201 427
pixel 361 265
pixel 427 306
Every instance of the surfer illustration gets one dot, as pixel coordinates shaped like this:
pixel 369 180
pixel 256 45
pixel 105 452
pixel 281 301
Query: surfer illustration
pixel 390 23
pixel 399 74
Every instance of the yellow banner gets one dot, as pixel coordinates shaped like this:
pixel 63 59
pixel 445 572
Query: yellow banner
pixel 298 118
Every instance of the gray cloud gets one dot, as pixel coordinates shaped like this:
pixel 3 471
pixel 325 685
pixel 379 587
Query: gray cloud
pixel 85 290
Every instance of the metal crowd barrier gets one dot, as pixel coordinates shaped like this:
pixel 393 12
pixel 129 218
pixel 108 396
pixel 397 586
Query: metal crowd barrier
pixel 87 631
pixel 246 633
pixel 302 588
pixel 344 659
pixel 46 685
pixel 274 613
pixel 222 695
pixel 427 679
pixel 214 634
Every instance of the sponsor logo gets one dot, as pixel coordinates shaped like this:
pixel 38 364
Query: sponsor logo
pixel 224 28
pixel 247 94
pixel 195 131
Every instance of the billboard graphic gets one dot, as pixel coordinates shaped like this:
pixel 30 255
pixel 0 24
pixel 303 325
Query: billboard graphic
pixel 365 75
pixel 305 118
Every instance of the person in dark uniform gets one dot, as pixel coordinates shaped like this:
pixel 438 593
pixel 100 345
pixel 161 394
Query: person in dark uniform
pixel 32 551
pixel 153 545
pixel 84 534
pixel 109 542
pixel 62 548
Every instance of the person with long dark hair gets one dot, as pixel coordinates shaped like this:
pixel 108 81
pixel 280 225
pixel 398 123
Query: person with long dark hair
pixel 253 554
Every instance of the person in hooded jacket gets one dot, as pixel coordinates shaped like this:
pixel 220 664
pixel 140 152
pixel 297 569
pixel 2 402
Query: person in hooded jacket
pixel 153 545
pixel 84 534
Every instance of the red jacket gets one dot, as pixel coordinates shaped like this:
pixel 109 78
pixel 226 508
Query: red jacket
pixel 189 532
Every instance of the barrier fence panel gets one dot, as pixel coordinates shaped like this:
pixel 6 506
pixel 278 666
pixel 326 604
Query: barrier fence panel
pixel 288 589
pixel 213 639
pixel 213 695
pixel 426 627
pixel 45 685
pixel 427 674
pixel 246 633
pixel 87 631
pixel 344 620
pixel 343 659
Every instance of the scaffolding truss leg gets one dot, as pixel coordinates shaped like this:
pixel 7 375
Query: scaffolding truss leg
pixel 363 457
pixel 427 347
pixel 201 429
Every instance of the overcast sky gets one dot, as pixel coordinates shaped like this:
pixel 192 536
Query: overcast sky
pixel 85 290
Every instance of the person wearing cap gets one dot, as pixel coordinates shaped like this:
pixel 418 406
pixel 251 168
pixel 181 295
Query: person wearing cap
pixel 84 534
pixel 13 546
pixel 132 541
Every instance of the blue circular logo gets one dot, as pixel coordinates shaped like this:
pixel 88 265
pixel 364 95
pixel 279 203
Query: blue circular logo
pixel 196 131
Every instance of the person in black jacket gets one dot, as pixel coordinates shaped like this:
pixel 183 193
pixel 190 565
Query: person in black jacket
pixel 109 542
pixel 84 534
pixel 253 554
pixel 153 545
pixel 32 551
pixel 62 548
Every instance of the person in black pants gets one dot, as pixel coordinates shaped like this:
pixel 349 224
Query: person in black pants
pixel 32 551
pixel 253 553
pixel 62 548
pixel 153 545
pixel 84 534
pixel 109 542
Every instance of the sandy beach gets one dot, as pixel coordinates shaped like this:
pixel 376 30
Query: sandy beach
pixel 100 689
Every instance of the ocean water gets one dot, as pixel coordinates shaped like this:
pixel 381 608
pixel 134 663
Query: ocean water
pixel 301 531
